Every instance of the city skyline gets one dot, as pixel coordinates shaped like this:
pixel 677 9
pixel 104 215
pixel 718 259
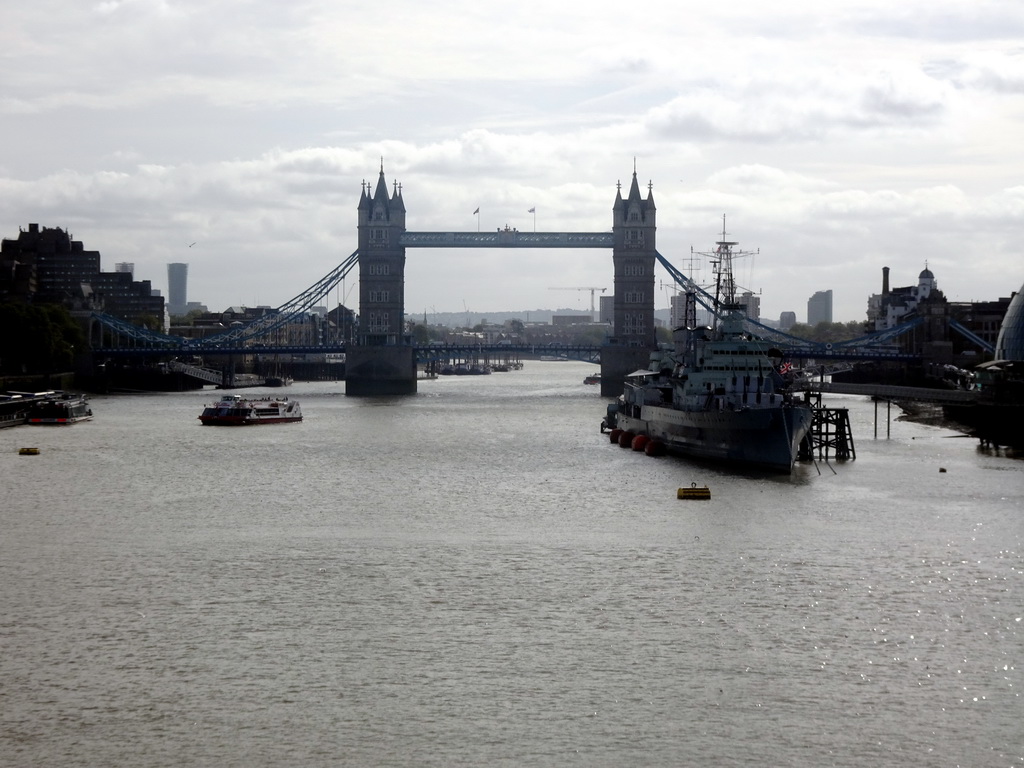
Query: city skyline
pixel 819 305
pixel 835 140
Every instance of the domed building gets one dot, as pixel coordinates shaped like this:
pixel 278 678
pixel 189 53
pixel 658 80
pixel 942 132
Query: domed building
pixel 925 283
pixel 1010 344
pixel 894 306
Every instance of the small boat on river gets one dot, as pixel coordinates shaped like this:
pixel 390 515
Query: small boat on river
pixel 59 408
pixel 237 411
pixel 14 407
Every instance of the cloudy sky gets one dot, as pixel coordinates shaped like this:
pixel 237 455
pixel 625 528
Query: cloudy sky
pixel 836 138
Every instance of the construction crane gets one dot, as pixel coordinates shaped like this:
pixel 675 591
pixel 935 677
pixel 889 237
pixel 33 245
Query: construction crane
pixel 583 288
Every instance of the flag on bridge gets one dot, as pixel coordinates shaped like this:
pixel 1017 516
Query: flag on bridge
pixel 532 210
pixel 476 211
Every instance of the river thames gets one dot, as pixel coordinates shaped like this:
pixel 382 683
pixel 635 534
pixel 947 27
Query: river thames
pixel 475 576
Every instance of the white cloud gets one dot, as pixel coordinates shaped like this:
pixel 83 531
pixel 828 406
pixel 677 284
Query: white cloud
pixel 837 139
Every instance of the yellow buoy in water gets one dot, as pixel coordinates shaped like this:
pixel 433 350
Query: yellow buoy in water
pixel 693 492
pixel 28 452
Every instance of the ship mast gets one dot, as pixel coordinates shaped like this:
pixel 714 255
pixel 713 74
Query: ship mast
pixel 725 285
pixel 725 288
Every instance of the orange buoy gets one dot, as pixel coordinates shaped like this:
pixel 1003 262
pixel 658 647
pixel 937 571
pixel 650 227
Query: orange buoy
pixel 614 435
pixel 626 438
pixel 654 448
pixel 639 442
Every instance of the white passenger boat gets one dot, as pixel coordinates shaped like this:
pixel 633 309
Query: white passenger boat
pixel 237 411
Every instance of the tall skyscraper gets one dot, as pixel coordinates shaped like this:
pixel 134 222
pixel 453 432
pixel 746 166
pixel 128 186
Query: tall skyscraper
pixel 819 308
pixel 177 288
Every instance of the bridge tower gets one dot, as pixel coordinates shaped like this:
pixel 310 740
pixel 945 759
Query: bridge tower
pixel 382 361
pixel 633 256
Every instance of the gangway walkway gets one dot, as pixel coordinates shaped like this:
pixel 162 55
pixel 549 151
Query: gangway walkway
pixel 892 392
pixel 203 374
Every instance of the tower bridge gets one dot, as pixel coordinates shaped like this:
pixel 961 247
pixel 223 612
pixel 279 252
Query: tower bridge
pixel 383 362
pixel 382 359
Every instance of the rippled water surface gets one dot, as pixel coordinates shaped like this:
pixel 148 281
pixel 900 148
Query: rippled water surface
pixel 476 576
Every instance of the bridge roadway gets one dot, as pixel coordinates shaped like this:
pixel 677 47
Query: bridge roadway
pixel 424 352
pixel 583 352
pixel 434 351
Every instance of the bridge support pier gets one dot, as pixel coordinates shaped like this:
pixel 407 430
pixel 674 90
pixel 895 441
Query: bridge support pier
pixel 616 362
pixel 380 371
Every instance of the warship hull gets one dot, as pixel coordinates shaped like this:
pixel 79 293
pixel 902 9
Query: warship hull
pixel 765 438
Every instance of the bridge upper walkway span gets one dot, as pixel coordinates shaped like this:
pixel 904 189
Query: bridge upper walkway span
pixel 507 238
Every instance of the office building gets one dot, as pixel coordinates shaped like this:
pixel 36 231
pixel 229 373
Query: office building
pixel 128 299
pixel 819 308
pixel 177 288
pixel 47 265
pixel 751 305
pixel 678 317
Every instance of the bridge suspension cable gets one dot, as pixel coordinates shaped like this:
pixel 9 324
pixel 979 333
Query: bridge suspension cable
pixel 269 322
pixel 871 342
pixel 141 334
pixel 288 311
